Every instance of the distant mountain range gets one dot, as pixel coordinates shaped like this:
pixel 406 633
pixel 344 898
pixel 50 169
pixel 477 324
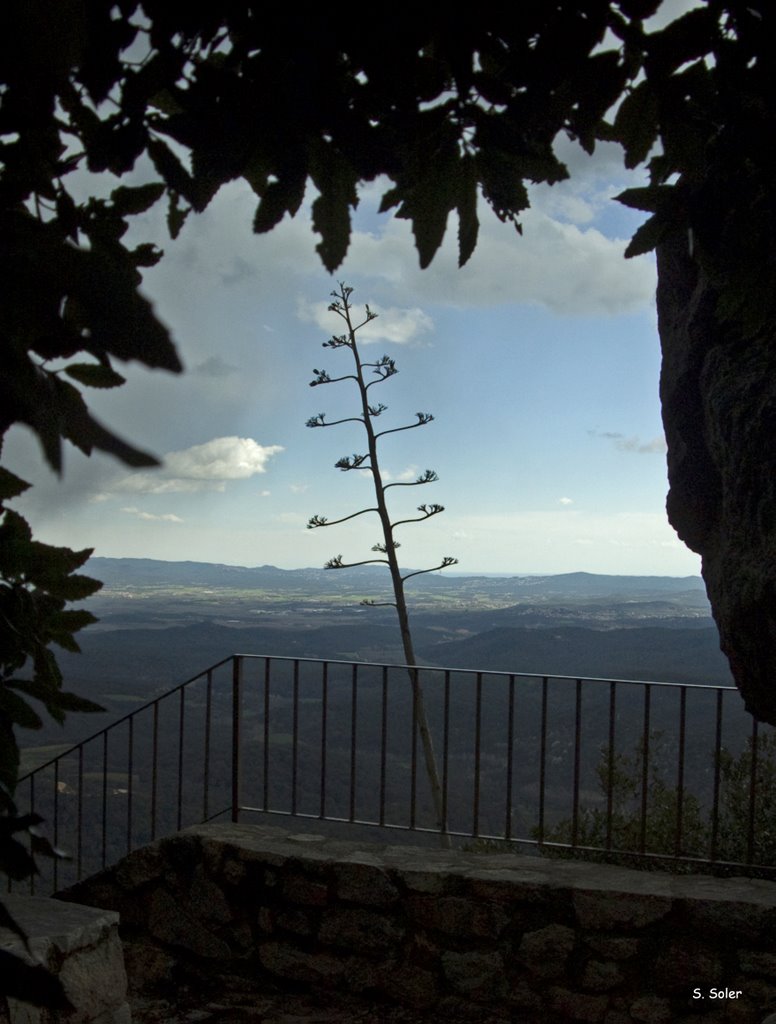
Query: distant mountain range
pixel 146 572
pixel 162 622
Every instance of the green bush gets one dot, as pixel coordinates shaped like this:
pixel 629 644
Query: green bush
pixel 647 833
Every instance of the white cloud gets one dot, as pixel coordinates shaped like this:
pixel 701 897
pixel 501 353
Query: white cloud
pixel 292 518
pixel 215 366
pixel 203 467
pixel 393 324
pixel 656 445
pixel 168 517
pixel 565 501
pixel 558 265
pixel 298 488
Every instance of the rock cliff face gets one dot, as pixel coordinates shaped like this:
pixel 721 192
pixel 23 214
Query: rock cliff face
pixel 718 392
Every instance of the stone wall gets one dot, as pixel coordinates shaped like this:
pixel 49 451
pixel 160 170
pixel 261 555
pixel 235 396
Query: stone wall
pixel 485 937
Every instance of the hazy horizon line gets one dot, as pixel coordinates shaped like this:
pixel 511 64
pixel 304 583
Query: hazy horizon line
pixel 447 572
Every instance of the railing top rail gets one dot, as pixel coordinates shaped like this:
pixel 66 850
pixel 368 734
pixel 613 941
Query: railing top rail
pixel 129 714
pixel 492 672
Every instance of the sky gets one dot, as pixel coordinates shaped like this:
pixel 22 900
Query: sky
pixel 539 361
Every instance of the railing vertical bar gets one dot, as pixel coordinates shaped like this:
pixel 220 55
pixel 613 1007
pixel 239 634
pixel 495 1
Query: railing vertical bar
pixel 353 739
pixel 265 766
pixel 56 823
pixel 324 726
pixel 542 761
pixel 32 810
pixel 680 772
pixel 610 764
pixel 294 735
pixel 645 769
pixel 510 757
pixel 752 795
pixel 446 753
pixel 414 755
pixel 383 742
pixel 104 856
pixel 236 767
pixel 181 729
pixel 477 750
pixel 79 839
pixel 208 723
pixel 577 749
pixel 130 767
pixel 717 774
pixel 154 768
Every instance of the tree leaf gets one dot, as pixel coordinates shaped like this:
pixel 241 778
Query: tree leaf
pixel 11 486
pixel 281 197
pixel 336 181
pixel 468 223
pixel 131 201
pixel 647 237
pixel 18 710
pixel 650 198
pixel 689 37
pixel 176 217
pixel 636 123
pixel 95 375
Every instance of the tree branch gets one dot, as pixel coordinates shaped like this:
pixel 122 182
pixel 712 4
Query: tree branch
pixel 337 563
pixel 423 419
pixel 323 378
pixel 428 476
pixel 319 421
pixel 352 462
pixel 428 510
pixel 445 562
pixel 323 521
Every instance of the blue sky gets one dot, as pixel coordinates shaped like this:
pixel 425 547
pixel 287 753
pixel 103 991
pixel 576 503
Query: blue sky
pixel 539 360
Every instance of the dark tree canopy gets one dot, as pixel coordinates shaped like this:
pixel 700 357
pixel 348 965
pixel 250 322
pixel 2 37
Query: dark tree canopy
pixel 453 112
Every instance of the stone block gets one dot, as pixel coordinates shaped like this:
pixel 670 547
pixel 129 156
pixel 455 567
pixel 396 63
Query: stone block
pixel 545 952
pixel 293 920
pixel 359 929
pixel 613 947
pixel 601 976
pixel 304 890
pixel 288 961
pixel 480 975
pixel 455 915
pixel 727 920
pixel 233 871
pixel 754 962
pixel 148 966
pixel 360 975
pixel 522 997
pixel 651 1010
pixel 140 867
pixel 170 921
pixel 411 984
pixel 605 911
pixel 79 944
pixel 206 899
pixel 683 965
pixel 577 1006
pixel 364 884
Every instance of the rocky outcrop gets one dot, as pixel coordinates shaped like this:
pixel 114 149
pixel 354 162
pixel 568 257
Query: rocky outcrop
pixel 718 393
pixel 444 935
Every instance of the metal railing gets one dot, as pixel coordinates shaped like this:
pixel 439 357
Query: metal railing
pixel 653 773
